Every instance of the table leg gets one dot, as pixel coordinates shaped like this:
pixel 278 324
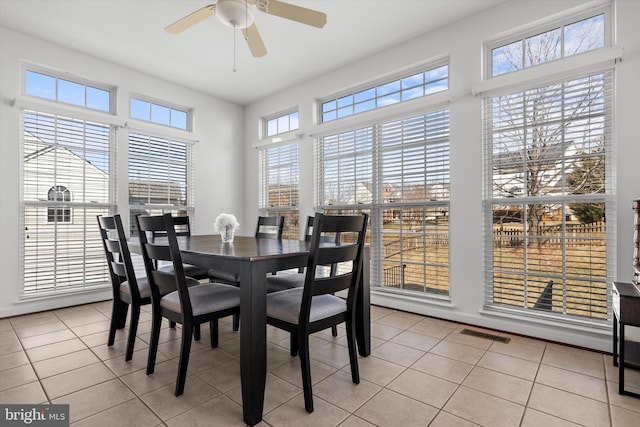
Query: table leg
pixel 253 341
pixel 621 362
pixel 615 339
pixel 363 307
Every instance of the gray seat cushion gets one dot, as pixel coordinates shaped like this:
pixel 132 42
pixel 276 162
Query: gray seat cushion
pixel 285 306
pixel 283 282
pixel 143 287
pixel 189 270
pixel 205 298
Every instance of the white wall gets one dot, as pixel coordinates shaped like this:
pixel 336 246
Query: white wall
pixel 219 128
pixel 463 41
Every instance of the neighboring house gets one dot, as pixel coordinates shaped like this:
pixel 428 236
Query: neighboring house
pixel 54 173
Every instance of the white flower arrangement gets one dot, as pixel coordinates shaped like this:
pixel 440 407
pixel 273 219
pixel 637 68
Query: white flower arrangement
pixel 226 221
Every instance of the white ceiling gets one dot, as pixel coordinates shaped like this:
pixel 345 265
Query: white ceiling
pixel 130 33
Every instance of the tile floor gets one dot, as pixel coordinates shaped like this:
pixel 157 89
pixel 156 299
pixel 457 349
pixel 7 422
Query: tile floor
pixel 422 372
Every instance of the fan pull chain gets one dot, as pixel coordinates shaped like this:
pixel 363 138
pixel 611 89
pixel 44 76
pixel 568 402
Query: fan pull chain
pixel 234 48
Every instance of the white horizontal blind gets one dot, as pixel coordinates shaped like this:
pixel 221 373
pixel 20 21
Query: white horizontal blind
pixel 159 177
pixel 279 185
pixel 67 182
pixel 398 171
pixel 549 180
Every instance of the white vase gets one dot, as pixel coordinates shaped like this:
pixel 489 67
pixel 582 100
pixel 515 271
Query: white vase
pixel 227 235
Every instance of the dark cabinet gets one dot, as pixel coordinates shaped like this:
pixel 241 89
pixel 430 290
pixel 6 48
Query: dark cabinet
pixel 626 312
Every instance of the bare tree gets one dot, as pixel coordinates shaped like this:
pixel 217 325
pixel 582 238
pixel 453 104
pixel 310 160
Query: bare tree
pixel 542 134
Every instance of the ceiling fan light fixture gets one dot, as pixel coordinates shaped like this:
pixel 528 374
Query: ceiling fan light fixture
pixel 234 13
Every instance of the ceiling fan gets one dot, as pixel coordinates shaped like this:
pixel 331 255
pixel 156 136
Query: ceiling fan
pixel 238 14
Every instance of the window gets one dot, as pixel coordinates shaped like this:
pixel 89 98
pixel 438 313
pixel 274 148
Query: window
pixel 398 172
pixel 61 242
pixel 559 42
pixel 412 86
pixel 159 177
pixel 279 178
pixel 549 181
pixel 58 89
pixel 281 124
pixel 159 114
pixel 59 193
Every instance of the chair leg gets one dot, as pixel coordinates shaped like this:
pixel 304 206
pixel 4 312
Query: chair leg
pixel 156 323
pixel 118 319
pixel 305 366
pixel 133 330
pixel 213 333
pixel 293 344
pixel 172 324
pixel 334 331
pixel 185 348
pixel 196 332
pixel 236 322
pixel 353 352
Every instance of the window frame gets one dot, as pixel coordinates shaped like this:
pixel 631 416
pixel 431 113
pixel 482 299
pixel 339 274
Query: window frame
pixel 57 75
pixel 379 83
pixel 540 29
pixel 278 116
pixel 162 104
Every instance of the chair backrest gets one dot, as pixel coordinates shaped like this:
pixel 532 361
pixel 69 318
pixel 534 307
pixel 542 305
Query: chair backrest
pixel 325 251
pixel 163 282
pixel 270 227
pixel 308 233
pixel 181 225
pixel 117 252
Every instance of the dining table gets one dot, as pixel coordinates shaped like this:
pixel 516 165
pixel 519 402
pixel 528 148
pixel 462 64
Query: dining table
pixel 251 259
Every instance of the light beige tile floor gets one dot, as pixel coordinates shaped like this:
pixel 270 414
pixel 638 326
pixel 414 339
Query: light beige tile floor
pixel 422 372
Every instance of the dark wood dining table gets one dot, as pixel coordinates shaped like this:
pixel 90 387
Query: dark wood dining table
pixel 252 259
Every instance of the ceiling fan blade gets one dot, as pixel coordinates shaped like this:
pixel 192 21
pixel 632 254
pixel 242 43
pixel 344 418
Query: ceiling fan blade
pixel 294 13
pixel 192 19
pixel 256 45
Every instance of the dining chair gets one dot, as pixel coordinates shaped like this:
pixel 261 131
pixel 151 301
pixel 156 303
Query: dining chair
pixel 183 228
pixel 128 290
pixel 283 282
pixel 180 298
pixel 268 227
pixel 314 307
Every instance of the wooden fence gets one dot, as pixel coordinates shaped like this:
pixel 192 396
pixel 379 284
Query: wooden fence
pixel 574 235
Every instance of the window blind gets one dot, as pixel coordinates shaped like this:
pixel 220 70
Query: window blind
pixel 67 182
pixel 398 172
pixel 549 180
pixel 159 177
pixel 279 185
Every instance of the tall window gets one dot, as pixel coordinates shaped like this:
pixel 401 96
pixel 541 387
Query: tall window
pixel 279 178
pixel 548 163
pixel 398 171
pixel 159 177
pixel 61 243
